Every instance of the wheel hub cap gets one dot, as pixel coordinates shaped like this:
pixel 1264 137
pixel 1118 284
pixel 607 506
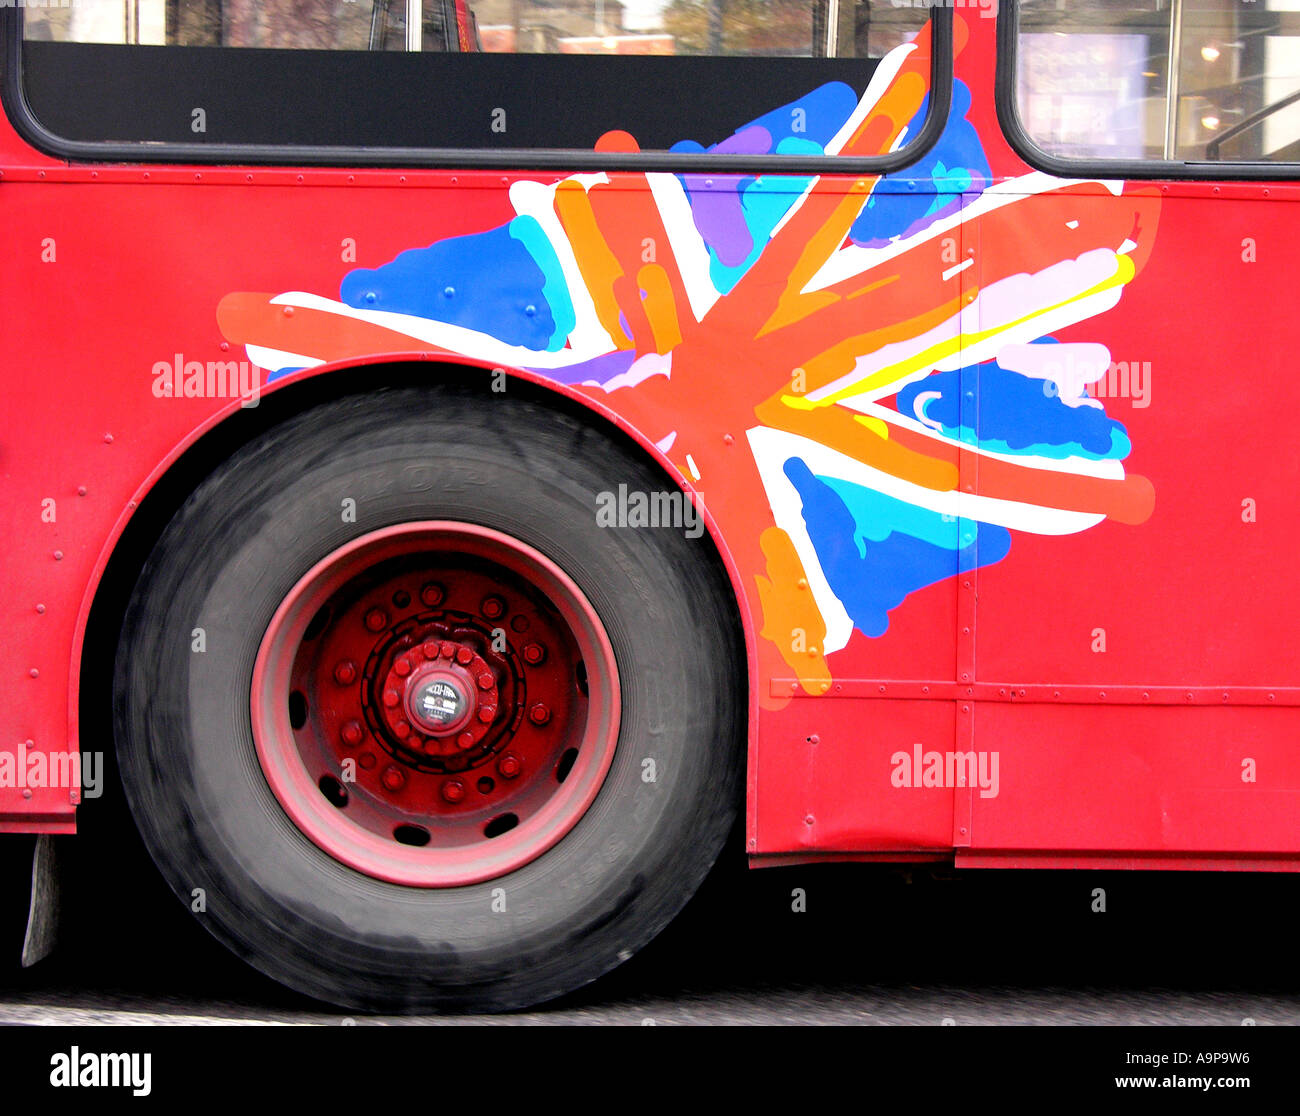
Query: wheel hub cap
pixel 435 704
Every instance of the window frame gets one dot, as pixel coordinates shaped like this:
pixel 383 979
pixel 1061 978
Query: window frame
pixel 1062 166
pixel 24 121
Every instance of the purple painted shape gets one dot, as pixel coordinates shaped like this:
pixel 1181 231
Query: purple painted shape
pixel 754 140
pixel 718 214
pixel 601 369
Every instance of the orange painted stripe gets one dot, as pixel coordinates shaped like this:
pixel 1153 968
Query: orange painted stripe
pixel 599 266
pixel 249 318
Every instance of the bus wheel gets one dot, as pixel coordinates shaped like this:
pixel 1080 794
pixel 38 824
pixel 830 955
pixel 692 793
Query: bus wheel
pixel 406 727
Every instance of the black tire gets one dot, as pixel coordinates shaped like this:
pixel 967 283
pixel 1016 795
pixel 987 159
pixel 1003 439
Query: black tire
pixel 184 738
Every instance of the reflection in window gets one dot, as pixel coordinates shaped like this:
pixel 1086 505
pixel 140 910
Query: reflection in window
pixel 744 28
pixel 1095 81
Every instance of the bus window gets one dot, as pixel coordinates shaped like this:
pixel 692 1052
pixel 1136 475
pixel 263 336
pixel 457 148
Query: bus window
pixel 748 28
pixel 284 24
pixel 523 75
pixel 1094 79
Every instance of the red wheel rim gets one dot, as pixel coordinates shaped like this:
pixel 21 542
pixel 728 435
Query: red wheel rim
pixel 435 704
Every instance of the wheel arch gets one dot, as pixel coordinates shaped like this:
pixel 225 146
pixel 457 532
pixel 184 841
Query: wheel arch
pixel 162 493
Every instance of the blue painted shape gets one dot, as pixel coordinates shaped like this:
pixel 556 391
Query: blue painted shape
pixel 871 558
pixel 1016 415
pixel 956 165
pixel 505 282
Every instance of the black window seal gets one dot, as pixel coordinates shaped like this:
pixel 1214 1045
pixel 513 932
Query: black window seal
pixel 30 129
pixel 1063 167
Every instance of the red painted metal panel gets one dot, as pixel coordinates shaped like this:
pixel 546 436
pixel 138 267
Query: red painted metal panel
pixel 1140 780
pixel 828 779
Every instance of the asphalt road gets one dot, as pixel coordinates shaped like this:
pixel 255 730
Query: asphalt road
pixel 876 945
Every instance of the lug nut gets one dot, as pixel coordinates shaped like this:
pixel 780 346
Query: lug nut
pixel 402 729
pixel 448 649
pixel 430 649
pixel 465 741
pixel 509 765
pixel 534 653
pixel 486 713
pixel 376 619
pixel 402 666
pixel 453 790
pixel 493 607
pixel 391 698
pixel 345 673
pixel 539 714
pixel 464 655
pixel 486 681
pixel 432 594
pixel 351 733
pixel 367 760
pixel 393 778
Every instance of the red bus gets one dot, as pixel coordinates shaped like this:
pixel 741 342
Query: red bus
pixel 463 453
